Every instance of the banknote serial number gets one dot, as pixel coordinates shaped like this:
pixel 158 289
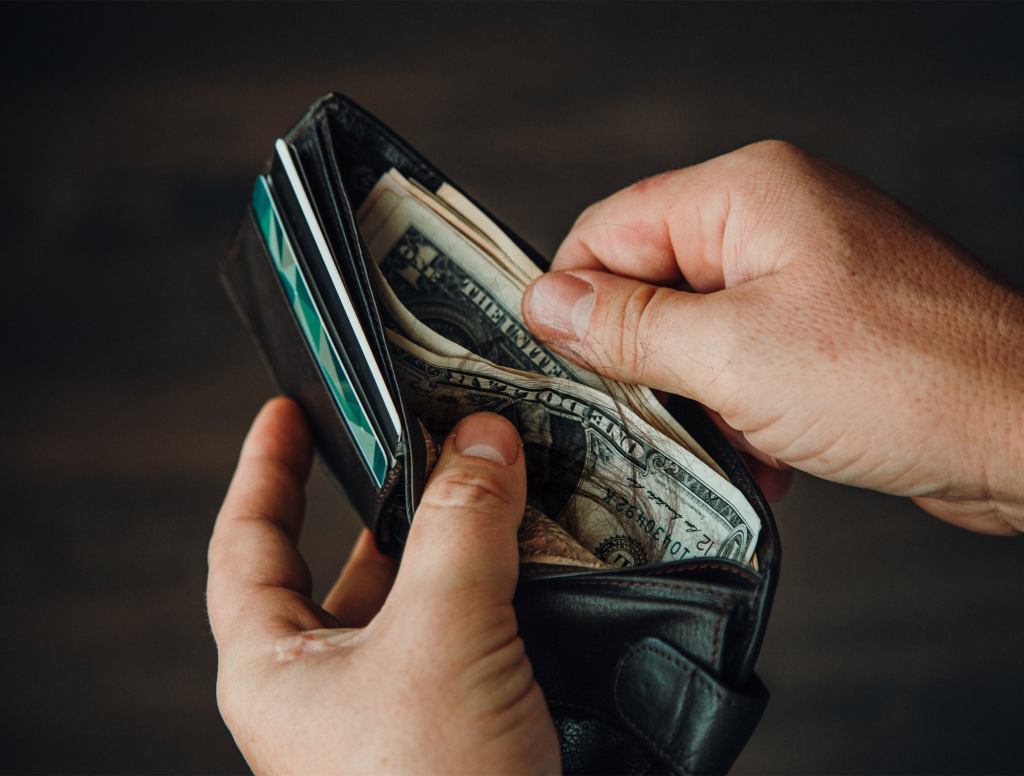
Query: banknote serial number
pixel 657 533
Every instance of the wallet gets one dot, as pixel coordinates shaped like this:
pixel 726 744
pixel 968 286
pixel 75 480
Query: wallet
pixel 646 669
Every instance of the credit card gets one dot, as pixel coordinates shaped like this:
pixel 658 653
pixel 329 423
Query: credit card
pixel 337 285
pixel 325 298
pixel 314 172
pixel 332 367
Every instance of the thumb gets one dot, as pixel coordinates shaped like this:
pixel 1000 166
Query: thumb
pixel 463 539
pixel 634 332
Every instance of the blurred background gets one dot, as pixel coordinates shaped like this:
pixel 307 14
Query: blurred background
pixel 131 137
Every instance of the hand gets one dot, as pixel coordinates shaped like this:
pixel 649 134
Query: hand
pixel 422 671
pixel 827 327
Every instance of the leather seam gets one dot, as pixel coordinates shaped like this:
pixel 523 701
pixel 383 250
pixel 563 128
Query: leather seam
pixel 690 670
pixel 716 642
pixel 665 572
pixel 636 728
pixel 386 487
pixel 720 567
pixel 731 597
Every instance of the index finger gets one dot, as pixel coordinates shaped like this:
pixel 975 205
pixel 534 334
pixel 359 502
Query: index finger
pixel 660 230
pixel 258 582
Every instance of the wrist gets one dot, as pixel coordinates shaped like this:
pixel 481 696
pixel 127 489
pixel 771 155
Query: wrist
pixel 1001 458
pixel 1006 458
pixel 976 401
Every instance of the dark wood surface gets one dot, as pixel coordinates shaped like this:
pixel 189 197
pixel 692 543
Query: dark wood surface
pixel 131 137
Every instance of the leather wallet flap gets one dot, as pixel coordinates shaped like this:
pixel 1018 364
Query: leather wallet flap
pixel 693 722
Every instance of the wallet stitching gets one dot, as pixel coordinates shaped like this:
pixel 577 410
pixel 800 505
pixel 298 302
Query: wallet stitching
pixel 657 748
pixel 716 641
pixel 722 696
pixel 386 488
pixel 628 583
pixel 629 720
pixel 746 576
pixel 729 569
pixel 692 671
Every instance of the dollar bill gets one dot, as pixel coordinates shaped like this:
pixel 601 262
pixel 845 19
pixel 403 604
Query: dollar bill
pixel 620 488
pixel 613 479
pixel 469 296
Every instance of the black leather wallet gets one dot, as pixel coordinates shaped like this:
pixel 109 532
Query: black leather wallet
pixel 646 669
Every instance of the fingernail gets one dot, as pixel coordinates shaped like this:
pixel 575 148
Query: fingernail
pixel 562 302
pixel 489 436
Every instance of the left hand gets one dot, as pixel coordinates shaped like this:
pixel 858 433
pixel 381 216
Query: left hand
pixel 418 669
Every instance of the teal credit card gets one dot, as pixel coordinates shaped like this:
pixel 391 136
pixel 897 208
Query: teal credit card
pixel 332 368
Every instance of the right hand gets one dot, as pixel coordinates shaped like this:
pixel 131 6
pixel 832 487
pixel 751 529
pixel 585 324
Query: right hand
pixel 830 330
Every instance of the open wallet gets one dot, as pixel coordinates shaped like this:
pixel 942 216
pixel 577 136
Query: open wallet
pixel 384 300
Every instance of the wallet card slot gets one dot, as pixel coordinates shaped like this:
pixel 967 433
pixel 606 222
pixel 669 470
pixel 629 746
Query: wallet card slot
pixel 336 374
pixel 315 148
pixel 329 272
pixel 336 321
pixel 252 282
pixel 318 159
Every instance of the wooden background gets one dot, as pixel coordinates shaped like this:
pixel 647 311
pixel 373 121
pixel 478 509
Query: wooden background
pixel 132 134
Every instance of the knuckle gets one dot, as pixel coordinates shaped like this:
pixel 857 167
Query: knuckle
pixel 643 189
pixel 773 163
pixel 587 214
pixel 769 174
pixel 775 151
pixel 651 185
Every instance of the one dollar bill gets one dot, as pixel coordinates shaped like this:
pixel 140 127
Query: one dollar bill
pixel 613 479
pixel 625 492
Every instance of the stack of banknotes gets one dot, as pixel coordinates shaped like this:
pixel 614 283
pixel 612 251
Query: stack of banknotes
pixel 613 479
